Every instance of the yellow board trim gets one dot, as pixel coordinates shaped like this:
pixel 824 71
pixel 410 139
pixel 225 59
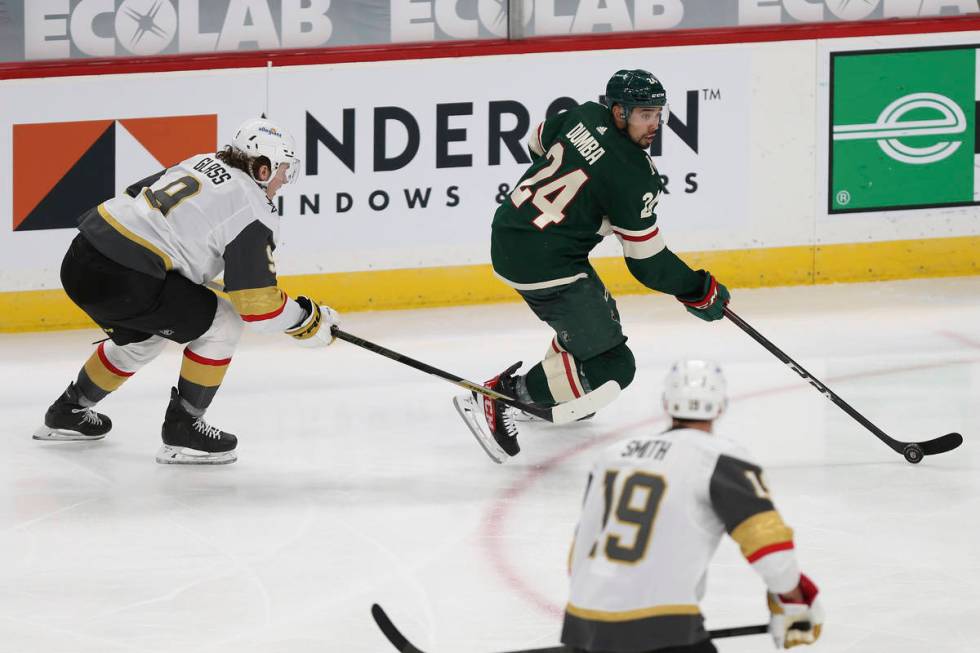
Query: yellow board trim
pixel 761 530
pixel 43 310
pixel 631 615
pixel 139 240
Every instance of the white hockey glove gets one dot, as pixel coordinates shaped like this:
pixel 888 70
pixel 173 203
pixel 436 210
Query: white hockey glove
pixel 316 330
pixel 796 622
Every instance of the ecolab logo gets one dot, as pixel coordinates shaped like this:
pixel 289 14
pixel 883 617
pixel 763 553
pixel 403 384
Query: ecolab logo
pixel 418 20
pixel 105 28
pixel 771 11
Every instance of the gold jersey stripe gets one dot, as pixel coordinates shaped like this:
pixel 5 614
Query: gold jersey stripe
pixel 631 615
pixel 761 530
pixel 101 375
pixel 257 301
pixel 139 240
pixel 208 376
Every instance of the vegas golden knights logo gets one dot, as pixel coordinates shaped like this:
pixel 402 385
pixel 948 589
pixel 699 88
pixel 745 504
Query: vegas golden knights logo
pixel 62 169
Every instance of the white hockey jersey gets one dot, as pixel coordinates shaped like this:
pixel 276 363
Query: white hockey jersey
pixel 655 510
pixel 201 219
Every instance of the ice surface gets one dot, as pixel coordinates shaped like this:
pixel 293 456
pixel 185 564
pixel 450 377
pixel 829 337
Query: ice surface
pixel 357 483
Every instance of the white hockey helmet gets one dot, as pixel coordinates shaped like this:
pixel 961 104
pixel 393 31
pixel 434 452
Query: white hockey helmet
pixel 695 389
pixel 260 137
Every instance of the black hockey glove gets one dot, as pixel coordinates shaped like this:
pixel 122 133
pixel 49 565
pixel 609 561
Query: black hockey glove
pixel 710 304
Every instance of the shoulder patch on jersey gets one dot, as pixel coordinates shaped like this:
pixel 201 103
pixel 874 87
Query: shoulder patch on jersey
pixel 738 490
pixel 248 259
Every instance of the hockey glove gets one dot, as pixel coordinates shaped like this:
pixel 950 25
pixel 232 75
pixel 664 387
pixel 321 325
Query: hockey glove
pixel 316 330
pixel 710 304
pixel 796 622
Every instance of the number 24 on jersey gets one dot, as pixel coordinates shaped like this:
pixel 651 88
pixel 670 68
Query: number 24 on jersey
pixel 551 198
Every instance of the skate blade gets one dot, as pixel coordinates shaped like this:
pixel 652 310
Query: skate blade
pixel 472 415
pixel 171 455
pixel 63 435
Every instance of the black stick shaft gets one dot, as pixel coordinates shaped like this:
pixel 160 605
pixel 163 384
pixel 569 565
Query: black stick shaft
pixel 739 631
pixel 442 374
pixel 720 633
pixel 400 642
pixel 812 380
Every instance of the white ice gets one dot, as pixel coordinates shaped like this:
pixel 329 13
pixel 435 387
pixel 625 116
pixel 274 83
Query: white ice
pixel 357 483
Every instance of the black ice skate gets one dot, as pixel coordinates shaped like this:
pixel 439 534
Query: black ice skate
pixel 495 429
pixel 189 440
pixel 67 419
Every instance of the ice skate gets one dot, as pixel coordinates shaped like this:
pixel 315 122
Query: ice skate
pixel 491 421
pixel 67 419
pixel 189 440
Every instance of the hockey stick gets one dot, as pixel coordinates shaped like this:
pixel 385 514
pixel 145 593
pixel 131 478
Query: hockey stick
pixel 563 413
pixel 913 451
pixel 401 643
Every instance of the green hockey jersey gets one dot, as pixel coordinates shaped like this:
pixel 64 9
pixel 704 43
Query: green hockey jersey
pixel 588 181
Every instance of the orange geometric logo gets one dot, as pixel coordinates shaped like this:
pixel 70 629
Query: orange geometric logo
pixel 62 169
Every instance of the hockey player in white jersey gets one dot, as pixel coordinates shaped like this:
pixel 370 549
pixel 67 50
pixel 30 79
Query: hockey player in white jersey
pixel 139 267
pixel 655 510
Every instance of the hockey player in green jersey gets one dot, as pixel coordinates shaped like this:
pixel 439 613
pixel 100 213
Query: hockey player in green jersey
pixel 591 177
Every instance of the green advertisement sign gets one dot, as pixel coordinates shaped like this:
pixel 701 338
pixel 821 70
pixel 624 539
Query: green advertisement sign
pixel 903 129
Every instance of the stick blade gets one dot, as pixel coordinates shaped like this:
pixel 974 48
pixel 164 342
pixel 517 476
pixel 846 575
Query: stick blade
pixel 942 444
pixel 585 405
pixel 388 629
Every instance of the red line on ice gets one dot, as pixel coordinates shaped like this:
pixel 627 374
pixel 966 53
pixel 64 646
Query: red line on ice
pixel 493 533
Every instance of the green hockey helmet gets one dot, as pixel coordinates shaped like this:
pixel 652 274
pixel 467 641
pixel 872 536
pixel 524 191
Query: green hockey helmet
pixel 636 88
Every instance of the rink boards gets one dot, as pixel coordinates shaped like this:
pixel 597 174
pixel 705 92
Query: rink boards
pixel 784 167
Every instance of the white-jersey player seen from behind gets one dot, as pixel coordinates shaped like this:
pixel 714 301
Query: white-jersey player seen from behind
pixel 139 268
pixel 655 510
